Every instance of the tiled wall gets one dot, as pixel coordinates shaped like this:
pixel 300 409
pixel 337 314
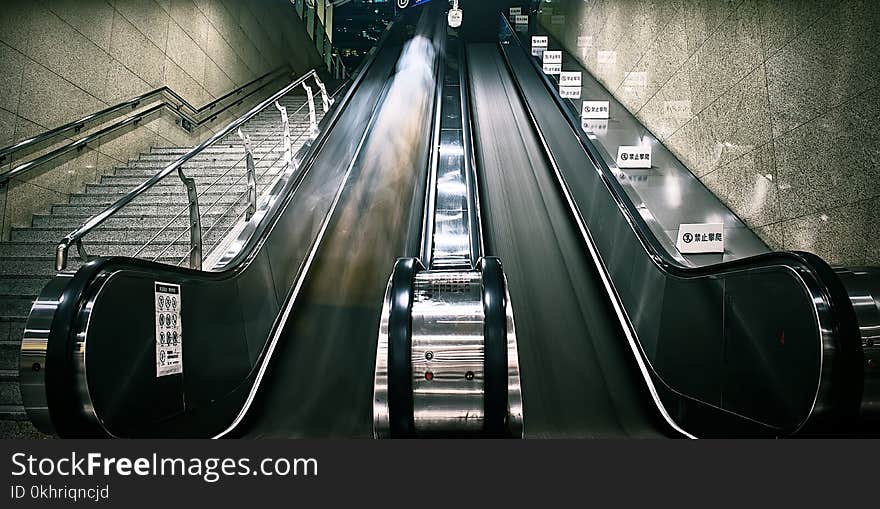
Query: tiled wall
pixel 773 104
pixel 63 59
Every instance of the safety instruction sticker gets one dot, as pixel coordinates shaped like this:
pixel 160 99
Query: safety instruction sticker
pixel 595 109
pixel 570 85
pixel 552 62
pixel 700 238
pixel 169 330
pixel 634 156
pixel 539 45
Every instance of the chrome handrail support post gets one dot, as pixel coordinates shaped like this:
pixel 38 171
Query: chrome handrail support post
pixel 61 252
pixel 325 98
pixel 195 221
pixel 81 251
pixel 61 255
pixel 251 176
pixel 313 119
pixel 285 131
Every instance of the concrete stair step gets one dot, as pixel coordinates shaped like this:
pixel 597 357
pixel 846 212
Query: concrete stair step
pixel 144 174
pixel 145 221
pixel 16 305
pixel 86 211
pixel 193 166
pixel 12 413
pixel 23 286
pixel 12 329
pixel 164 200
pixel 18 250
pixel 79 213
pixel 36 267
pixel 9 351
pixel 105 236
pixel 9 393
pixel 21 430
pixel 224 154
pixel 202 187
pixel 218 151
pixel 237 175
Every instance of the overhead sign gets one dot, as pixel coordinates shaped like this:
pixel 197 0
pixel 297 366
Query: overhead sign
pixel 570 85
pixel 454 18
pixel 584 41
pixel 634 156
pixel 595 109
pixel 521 20
pixel 515 11
pixel 552 62
pixel 169 329
pixel 700 238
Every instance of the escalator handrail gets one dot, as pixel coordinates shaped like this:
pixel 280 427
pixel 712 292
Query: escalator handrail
pixel 839 322
pixel 170 100
pixel 350 85
pixel 265 357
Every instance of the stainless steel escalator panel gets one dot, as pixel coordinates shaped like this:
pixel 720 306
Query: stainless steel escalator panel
pixel 447 351
pixel 447 357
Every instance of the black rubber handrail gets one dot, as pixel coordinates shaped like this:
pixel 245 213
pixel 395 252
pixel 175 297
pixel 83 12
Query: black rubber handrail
pixel 176 106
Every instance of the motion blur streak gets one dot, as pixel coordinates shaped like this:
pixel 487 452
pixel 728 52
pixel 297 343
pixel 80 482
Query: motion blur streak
pixel 383 190
pixel 320 383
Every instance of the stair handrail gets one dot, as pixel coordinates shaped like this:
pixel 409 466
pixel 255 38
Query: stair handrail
pixel 76 236
pixel 188 121
pixel 206 189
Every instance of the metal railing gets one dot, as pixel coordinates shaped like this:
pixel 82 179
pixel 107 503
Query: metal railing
pixel 192 207
pixel 170 100
pixel 337 67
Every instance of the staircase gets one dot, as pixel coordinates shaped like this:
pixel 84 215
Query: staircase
pixel 27 260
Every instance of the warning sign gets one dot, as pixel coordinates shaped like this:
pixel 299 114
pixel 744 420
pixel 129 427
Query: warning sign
pixel 169 330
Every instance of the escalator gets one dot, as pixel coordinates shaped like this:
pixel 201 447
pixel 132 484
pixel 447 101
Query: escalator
pixel 90 355
pixel 320 381
pixel 455 161
pixel 578 376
